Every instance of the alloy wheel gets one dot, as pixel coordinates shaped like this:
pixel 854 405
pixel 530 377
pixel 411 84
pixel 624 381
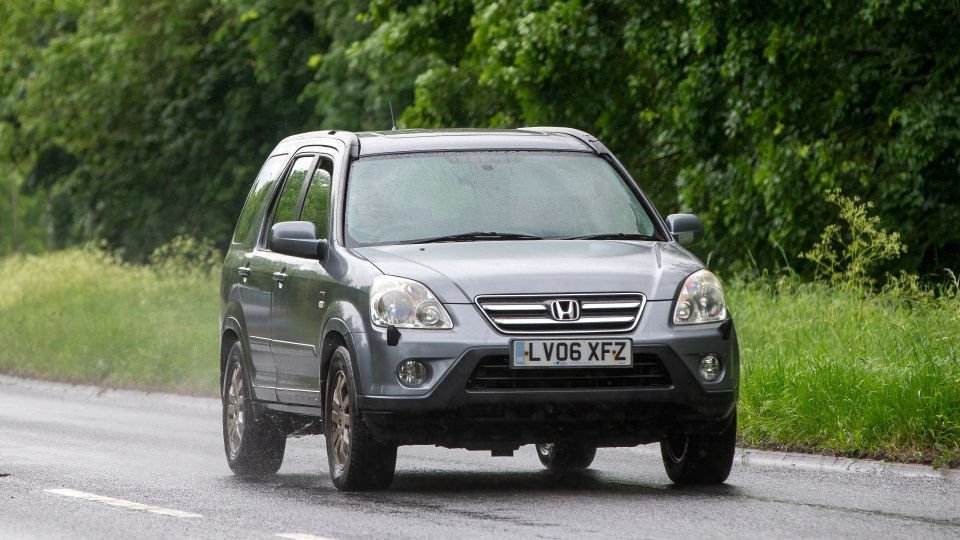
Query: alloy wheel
pixel 340 422
pixel 678 443
pixel 235 412
pixel 544 449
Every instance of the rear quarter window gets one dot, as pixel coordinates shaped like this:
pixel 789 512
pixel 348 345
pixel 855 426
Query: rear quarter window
pixel 246 232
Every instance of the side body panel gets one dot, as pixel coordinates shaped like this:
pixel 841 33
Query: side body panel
pixel 298 308
pixel 256 294
pixel 246 283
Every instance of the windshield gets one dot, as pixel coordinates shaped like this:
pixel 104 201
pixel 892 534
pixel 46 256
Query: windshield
pixel 460 196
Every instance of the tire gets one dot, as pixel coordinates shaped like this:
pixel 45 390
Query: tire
pixel 566 457
pixel 253 443
pixel 703 458
pixel 358 460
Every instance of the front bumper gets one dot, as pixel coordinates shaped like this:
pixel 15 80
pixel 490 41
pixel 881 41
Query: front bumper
pixel 456 410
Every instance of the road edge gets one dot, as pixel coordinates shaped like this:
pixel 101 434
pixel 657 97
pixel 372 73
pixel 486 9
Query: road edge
pixel 763 458
pixel 745 456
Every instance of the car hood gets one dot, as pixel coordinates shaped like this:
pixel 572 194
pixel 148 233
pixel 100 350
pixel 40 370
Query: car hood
pixel 457 272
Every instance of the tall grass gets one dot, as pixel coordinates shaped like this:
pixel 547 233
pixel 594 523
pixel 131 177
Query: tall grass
pixel 83 316
pixel 828 368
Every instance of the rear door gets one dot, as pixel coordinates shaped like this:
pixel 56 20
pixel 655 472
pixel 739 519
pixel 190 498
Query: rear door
pixel 252 271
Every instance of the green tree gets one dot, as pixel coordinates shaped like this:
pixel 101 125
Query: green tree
pixel 743 112
pixel 159 105
pixel 501 63
pixel 777 102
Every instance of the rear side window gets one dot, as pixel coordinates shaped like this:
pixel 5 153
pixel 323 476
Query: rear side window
pixel 245 233
pixel 290 196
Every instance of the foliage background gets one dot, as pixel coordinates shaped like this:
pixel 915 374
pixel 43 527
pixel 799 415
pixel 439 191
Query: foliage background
pixel 136 122
pixel 138 127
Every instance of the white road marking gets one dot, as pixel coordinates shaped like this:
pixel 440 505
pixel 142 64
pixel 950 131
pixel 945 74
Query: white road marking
pixel 299 536
pixel 121 503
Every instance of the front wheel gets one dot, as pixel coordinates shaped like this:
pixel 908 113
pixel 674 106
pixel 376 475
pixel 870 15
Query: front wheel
pixel 254 445
pixel 358 460
pixel 700 458
pixel 566 457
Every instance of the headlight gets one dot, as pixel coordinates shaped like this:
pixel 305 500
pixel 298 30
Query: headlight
pixel 701 300
pixel 404 303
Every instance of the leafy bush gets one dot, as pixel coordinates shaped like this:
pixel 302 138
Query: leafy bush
pixel 849 256
pixel 840 366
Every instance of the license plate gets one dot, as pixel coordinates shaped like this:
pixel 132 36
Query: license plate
pixel 572 353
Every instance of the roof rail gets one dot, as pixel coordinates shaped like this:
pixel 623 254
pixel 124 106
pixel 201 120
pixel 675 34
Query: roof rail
pixel 581 136
pixel 348 138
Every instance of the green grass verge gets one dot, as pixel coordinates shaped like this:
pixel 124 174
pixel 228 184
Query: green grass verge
pixel 824 369
pixel 81 316
pixel 830 370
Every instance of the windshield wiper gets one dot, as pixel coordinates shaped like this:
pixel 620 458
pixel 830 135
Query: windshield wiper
pixel 471 236
pixel 612 236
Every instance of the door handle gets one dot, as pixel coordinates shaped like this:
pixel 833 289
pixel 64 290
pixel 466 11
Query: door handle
pixel 279 277
pixel 244 271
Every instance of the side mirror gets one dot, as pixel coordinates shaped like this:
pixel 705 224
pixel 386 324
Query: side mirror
pixel 297 238
pixel 686 229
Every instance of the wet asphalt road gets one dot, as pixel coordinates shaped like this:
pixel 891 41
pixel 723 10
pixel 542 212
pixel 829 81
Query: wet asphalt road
pixel 166 451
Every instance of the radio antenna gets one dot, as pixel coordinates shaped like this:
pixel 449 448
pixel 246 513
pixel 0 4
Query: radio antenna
pixel 392 119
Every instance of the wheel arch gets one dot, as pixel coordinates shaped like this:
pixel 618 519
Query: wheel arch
pixel 336 333
pixel 232 332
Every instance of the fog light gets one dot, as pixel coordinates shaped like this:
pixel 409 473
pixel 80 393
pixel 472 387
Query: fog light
pixel 710 367
pixel 412 374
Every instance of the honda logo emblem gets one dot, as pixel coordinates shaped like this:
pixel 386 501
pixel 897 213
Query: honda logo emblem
pixel 565 310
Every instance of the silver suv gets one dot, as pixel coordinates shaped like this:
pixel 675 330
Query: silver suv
pixel 471 289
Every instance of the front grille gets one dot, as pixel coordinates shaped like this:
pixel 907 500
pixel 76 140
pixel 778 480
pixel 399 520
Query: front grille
pixel 532 314
pixel 495 373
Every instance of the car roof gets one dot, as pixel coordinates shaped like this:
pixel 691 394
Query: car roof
pixel 428 140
